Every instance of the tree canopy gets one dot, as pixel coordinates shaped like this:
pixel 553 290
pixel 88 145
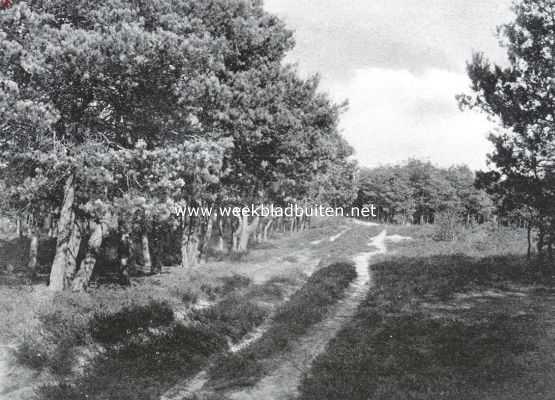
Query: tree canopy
pixel 112 111
pixel 521 97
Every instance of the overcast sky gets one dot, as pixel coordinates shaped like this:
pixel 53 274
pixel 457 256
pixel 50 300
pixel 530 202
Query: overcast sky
pixel 399 63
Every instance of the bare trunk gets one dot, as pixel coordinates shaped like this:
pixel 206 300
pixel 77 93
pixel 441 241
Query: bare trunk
pixel 300 224
pixel 245 232
pixel 221 244
pixel 65 223
pixel 244 235
pixel 83 276
pixel 258 235
pixel 540 243
pixel 189 248
pixel 266 229
pixel 529 238
pixel 147 260
pixel 33 251
pixel 46 223
pixel 235 235
pixel 206 239
pixel 221 241
pixel 72 252
pixel 124 255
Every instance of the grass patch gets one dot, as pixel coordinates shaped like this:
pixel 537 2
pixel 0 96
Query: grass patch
pixel 414 338
pixel 308 306
pixel 417 357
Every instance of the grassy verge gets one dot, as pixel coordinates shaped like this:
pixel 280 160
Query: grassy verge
pixel 146 351
pixel 308 306
pixel 142 370
pixel 73 338
pixel 436 326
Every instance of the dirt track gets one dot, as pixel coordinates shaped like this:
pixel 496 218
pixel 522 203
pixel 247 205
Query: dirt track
pixel 282 383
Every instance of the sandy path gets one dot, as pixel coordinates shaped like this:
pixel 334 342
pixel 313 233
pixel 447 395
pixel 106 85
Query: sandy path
pixel 282 383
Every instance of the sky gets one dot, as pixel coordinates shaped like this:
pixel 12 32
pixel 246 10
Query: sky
pixel 400 64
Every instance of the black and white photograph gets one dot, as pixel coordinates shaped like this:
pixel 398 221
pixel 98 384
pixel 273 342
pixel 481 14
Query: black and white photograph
pixel 277 200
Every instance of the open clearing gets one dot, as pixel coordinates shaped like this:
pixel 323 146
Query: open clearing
pixel 469 319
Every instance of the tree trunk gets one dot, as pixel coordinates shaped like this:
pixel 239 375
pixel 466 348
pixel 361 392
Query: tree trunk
pixel 550 248
pixel 189 248
pixel 83 276
pixel 529 238
pixel 147 260
pixel 33 251
pixel 221 241
pixel 266 229
pixel 124 255
pixel 206 238
pixel 540 243
pixel 258 235
pixel 65 224
pixel 235 235
pixel 18 229
pixel 72 252
pixel 245 232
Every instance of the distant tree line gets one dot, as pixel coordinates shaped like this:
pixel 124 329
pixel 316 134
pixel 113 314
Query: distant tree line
pixel 417 192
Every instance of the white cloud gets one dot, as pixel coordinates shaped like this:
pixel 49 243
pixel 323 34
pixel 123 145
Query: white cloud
pixel 397 114
pixel 400 63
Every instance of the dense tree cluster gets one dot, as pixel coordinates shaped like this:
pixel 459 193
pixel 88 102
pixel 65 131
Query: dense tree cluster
pixel 521 97
pixel 112 112
pixel 417 192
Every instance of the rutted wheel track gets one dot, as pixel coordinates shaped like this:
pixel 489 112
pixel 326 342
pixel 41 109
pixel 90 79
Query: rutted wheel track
pixel 282 383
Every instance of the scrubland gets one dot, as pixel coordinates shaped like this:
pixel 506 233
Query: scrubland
pixel 463 319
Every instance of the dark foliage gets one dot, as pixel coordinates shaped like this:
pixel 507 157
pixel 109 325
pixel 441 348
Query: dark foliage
pixel 112 328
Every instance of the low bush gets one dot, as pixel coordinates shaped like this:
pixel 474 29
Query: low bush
pixel 51 346
pixel 143 371
pixel 270 290
pixel 70 329
pixel 233 283
pixel 31 353
pixel 114 327
pixel 233 317
pixel 225 286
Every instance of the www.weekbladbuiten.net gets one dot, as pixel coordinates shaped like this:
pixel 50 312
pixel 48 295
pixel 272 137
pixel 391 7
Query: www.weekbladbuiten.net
pixel 263 210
